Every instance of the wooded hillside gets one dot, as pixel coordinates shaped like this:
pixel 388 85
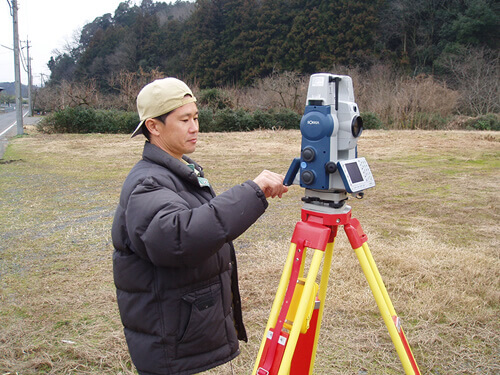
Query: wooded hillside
pixel 232 42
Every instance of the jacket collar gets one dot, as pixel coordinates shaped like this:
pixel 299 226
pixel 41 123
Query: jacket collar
pixel 156 155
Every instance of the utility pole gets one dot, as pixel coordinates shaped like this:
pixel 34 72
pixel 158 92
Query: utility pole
pixel 30 79
pixel 17 68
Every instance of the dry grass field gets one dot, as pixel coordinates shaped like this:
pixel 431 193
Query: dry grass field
pixel 432 223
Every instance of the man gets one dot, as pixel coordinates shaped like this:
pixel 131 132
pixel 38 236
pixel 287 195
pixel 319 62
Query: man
pixel 174 264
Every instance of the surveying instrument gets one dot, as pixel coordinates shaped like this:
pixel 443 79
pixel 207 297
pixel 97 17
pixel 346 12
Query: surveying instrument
pixel 328 169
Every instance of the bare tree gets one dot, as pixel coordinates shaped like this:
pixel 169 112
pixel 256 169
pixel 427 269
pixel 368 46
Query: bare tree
pixel 129 84
pixel 74 94
pixel 289 88
pixel 476 74
pixel 69 94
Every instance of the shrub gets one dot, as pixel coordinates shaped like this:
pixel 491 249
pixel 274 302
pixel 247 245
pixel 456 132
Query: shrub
pixel 263 120
pixel 428 121
pixel 68 120
pixel 371 121
pixel 228 120
pixel 287 119
pixel 88 120
pixel 122 122
pixel 205 119
pixel 214 99
pixel 423 121
pixel 490 121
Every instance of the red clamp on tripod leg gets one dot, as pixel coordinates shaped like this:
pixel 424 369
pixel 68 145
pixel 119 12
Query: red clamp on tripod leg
pixel 355 233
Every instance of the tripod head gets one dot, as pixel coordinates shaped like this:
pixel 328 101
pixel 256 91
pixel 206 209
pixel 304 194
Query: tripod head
pixel 328 167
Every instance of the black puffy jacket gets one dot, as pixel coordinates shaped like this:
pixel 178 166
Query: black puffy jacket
pixel 175 268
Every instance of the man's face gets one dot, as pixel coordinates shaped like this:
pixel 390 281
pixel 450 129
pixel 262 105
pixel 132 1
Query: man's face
pixel 179 134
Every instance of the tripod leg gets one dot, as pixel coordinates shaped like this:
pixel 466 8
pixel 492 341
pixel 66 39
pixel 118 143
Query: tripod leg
pixel 386 309
pixel 392 311
pixel 325 275
pixel 305 351
pixel 300 315
pixel 278 301
pixel 306 235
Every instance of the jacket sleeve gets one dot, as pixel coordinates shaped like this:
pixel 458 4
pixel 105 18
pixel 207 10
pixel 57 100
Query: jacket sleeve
pixel 165 230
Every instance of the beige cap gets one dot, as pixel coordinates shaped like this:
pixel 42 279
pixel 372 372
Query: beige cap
pixel 160 97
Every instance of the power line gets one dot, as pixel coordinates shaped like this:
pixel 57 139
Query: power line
pixel 23 59
pixel 11 8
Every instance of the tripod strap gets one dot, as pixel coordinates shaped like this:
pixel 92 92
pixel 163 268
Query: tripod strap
pixel 299 251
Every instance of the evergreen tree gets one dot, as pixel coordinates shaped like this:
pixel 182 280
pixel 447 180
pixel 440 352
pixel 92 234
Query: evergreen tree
pixel 203 40
pixel 350 27
pixel 478 24
pixel 61 68
pixel 238 41
pixel 305 43
pixel 219 42
pixel 416 32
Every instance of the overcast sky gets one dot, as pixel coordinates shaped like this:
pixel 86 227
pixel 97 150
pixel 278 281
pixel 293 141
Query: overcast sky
pixel 48 25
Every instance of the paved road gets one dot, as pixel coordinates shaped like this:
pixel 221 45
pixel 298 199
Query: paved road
pixel 8 127
pixel 7 123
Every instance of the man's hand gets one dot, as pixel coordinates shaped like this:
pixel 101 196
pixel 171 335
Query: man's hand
pixel 271 184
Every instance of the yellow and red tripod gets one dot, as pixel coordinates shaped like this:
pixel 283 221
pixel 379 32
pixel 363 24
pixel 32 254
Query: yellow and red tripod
pixel 297 309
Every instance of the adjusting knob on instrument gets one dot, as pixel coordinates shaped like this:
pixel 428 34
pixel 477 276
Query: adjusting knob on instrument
pixel 307 177
pixel 331 167
pixel 308 154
